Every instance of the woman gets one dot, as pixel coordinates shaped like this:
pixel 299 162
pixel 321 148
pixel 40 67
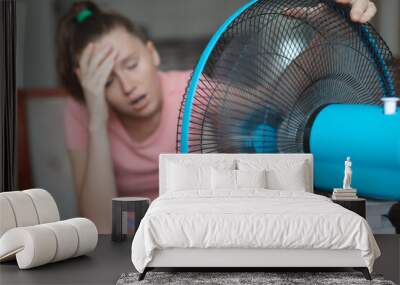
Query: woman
pixel 122 112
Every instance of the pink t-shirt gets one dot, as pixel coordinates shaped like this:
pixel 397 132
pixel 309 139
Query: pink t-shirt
pixel 135 163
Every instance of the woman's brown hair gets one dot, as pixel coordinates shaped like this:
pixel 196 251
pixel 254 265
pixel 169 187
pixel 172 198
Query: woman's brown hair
pixel 85 22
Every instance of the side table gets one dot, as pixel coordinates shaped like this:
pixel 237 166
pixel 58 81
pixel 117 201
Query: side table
pixel 127 212
pixel 355 205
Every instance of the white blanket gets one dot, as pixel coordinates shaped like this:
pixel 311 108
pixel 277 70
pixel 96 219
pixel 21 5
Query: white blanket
pixel 254 218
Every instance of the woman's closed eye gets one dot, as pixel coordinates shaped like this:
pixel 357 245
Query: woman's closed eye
pixel 132 65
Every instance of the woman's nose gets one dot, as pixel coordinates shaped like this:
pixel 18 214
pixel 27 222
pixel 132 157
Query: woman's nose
pixel 127 85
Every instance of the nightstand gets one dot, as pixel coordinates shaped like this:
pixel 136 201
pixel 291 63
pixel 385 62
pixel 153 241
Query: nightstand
pixel 355 205
pixel 127 213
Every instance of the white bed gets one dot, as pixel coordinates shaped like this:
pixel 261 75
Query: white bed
pixel 248 227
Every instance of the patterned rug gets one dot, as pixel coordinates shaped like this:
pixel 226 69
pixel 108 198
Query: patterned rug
pixel 243 278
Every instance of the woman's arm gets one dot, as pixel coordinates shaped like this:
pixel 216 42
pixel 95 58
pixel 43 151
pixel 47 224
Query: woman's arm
pixel 94 179
pixel 93 167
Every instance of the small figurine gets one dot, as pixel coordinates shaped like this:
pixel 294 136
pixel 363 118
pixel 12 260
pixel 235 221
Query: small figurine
pixel 347 174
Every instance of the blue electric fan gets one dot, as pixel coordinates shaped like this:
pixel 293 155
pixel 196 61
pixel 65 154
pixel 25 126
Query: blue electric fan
pixel 298 76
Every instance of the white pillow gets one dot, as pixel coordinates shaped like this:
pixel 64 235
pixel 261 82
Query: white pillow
pixel 293 179
pixel 227 179
pixel 251 178
pixel 281 174
pixel 203 161
pixel 223 179
pixel 181 177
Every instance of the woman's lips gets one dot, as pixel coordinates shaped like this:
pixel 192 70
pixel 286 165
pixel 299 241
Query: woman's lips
pixel 140 102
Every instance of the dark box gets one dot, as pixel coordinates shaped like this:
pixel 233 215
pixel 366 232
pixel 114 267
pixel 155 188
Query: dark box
pixel 127 212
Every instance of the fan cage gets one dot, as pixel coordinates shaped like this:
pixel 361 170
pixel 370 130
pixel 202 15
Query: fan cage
pixel 274 67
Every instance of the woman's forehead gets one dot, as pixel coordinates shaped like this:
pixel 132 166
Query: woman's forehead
pixel 122 41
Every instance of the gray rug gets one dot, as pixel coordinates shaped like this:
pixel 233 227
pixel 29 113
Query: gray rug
pixel 242 278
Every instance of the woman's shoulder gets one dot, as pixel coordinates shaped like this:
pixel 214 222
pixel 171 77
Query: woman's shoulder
pixel 72 104
pixel 73 108
pixel 177 73
pixel 176 79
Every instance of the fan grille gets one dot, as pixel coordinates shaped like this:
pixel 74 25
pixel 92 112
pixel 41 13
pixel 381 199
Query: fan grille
pixel 277 64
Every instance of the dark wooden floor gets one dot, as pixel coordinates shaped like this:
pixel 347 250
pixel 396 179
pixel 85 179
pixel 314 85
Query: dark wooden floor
pixel 110 260
pixel 102 266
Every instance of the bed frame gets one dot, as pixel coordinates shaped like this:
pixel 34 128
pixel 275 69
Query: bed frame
pixel 246 258
pixel 243 259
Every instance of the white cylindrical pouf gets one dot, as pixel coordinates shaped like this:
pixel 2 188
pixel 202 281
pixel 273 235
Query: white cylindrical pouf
pixel 30 230
pixel 40 244
pixel 87 234
pixel 23 208
pixel 34 245
pixel 67 240
pixel 45 205
pixel 7 218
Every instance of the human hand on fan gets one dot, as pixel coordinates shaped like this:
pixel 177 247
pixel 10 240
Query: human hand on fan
pixel 361 10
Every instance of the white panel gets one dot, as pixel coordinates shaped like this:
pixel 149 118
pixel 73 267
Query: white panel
pixel 256 258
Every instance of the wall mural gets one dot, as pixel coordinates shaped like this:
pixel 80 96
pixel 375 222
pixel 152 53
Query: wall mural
pixel 44 159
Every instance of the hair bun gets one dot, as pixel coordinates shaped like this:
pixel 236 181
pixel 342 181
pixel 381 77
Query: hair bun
pixel 81 6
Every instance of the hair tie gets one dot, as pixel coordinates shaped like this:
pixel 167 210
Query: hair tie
pixel 82 15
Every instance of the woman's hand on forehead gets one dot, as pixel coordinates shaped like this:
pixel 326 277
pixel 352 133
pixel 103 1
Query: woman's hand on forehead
pixel 94 55
pixel 95 66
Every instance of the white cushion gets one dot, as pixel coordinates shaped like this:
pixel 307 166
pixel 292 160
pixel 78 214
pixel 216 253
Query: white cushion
pixel 251 178
pixel 228 161
pixel 193 173
pixel 197 160
pixel 190 161
pixel 230 180
pixel 223 179
pixel 181 177
pixel 281 174
pixel 289 179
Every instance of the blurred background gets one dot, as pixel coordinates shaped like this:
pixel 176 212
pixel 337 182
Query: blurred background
pixel 180 30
